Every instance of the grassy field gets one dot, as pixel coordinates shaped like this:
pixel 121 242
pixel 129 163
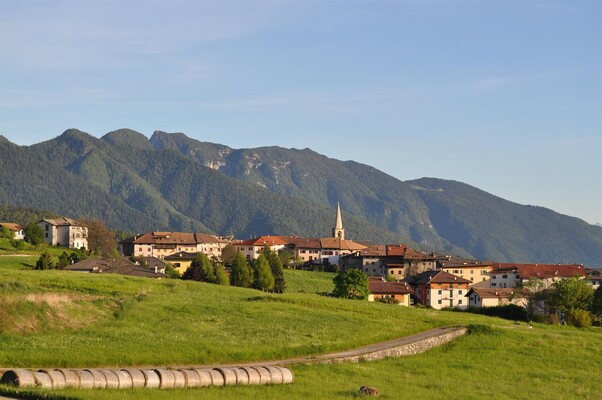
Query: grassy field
pixel 308 282
pixel 68 319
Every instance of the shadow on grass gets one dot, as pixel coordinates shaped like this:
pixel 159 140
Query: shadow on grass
pixel 21 394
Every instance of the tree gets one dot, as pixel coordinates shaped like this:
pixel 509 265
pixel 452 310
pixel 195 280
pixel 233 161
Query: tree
pixel 228 254
pixel 597 302
pixel 171 272
pixel 351 284
pixel 263 278
pixel 34 234
pixel 63 261
pixel 6 233
pixel 201 269
pixel 241 274
pixel 101 240
pixel 276 268
pixel 221 277
pixel 45 262
pixel 572 294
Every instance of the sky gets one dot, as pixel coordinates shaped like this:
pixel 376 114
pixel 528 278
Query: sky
pixel 503 95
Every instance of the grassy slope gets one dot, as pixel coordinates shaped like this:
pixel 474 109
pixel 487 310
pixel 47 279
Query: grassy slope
pixel 93 320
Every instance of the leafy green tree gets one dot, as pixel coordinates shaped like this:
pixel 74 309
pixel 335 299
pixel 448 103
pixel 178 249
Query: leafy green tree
pixel 201 269
pixel 228 254
pixel 241 274
pixel 221 277
pixel 263 278
pixel 276 268
pixel 351 284
pixel 77 256
pixel 6 233
pixel 63 261
pixel 45 262
pixel 171 272
pixel 572 294
pixel 101 240
pixel 597 302
pixel 34 234
pixel 579 318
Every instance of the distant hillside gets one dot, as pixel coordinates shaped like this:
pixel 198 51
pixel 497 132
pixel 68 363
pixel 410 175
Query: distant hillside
pixel 174 182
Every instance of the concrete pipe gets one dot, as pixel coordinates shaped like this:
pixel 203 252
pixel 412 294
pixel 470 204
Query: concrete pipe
pixel 111 377
pixel 42 380
pixel 86 379
pixel 179 379
pixel 205 378
pixel 99 379
pixel 19 378
pixel 168 381
pixel 192 378
pixel 125 380
pixel 57 378
pixel 287 375
pixel 276 375
pixel 217 379
pixel 264 375
pixel 254 377
pixel 228 374
pixel 71 378
pixel 152 378
pixel 242 378
pixel 137 377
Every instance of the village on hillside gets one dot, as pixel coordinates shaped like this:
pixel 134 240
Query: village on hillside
pixel 396 272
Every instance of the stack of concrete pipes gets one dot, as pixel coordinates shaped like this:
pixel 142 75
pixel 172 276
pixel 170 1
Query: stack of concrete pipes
pixel 146 378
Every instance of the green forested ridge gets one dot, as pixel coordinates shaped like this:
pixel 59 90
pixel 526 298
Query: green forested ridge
pixel 136 184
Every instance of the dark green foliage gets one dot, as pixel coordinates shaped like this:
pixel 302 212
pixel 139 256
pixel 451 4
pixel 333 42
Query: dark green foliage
pixel 241 274
pixel 45 262
pixel 276 268
pixel 221 277
pixel 200 269
pixel 34 234
pixel 77 256
pixel 351 284
pixel 597 302
pixel 579 318
pixel 388 300
pixel 572 294
pixel 17 244
pixel 171 272
pixel 228 254
pixel 507 311
pixel 63 261
pixel 6 233
pixel 262 274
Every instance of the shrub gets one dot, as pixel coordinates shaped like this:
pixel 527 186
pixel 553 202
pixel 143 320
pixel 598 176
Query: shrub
pixel 580 318
pixel 506 311
pixel 388 300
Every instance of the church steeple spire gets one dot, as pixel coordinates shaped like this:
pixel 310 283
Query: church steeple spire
pixel 338 231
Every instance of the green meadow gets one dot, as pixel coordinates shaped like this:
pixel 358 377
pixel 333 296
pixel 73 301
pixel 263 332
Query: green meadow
pixel 68 319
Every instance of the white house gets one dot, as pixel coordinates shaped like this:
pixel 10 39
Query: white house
pixel 64 232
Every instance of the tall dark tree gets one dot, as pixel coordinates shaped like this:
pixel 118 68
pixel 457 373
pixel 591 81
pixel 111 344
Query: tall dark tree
pixel 597 302
pixel 101 240
pixel 262 274
pixel 351 284
pixel 201 269
pixel 34 234
pixel 63 261
pixel 228 254
pixel 45 261
pixel 241 274
pixel 276 268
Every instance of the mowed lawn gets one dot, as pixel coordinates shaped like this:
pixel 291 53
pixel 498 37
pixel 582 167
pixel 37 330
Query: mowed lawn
pixel 68 319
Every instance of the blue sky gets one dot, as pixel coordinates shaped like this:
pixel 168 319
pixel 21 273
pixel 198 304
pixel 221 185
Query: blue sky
pixel 503 95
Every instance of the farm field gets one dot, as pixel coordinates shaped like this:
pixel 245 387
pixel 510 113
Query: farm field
pixel 68 319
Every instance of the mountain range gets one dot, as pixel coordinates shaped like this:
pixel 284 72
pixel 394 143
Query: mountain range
pixel 174 182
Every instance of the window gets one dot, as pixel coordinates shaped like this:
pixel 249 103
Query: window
pixel 472 271
pixel 439 291
pixel 439 302
pixel 451 285
pixel 451 293
pixel 493 277
pixel 459 292
pixel 493 284
pixel 459 302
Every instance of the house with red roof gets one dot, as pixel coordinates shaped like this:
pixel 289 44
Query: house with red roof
pixel 16 229
pixel 381 289
pixel 252 248
pixel 491 297
pixel 511 275
pixel 163 244
pixel 440 289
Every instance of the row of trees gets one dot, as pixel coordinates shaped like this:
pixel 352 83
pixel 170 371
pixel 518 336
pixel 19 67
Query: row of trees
pixel 265 273
pixel 46 261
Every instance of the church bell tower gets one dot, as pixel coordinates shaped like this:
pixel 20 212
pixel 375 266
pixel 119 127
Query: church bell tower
pixel 338 231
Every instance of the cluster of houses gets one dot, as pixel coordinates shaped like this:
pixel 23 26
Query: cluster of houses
pixel 396 272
